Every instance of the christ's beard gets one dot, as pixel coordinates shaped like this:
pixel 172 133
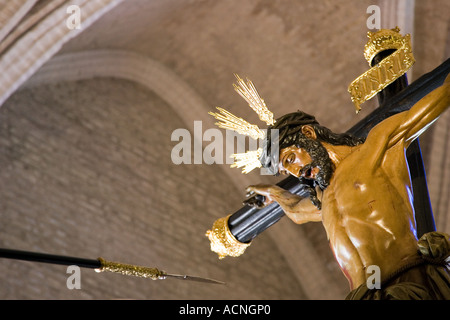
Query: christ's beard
pixel 320 160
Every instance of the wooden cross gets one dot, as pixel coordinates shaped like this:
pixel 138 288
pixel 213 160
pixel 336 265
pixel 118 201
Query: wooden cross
pixel 248 222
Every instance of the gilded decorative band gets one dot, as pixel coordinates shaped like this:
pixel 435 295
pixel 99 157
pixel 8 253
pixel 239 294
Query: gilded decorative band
pixel 223 241
pixel 371 82
pixel 130 270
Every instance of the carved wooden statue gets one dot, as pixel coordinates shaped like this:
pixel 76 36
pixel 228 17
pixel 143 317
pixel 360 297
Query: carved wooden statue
pixel 360 190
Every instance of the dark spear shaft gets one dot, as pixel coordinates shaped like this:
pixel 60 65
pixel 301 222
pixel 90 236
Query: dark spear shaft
pixel 99 265
pixel 246 223
pixel 49 258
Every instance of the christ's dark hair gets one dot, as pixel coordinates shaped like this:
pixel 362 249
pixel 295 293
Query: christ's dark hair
pixel 290 133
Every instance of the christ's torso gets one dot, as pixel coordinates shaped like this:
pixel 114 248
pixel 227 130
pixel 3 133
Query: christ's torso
pixel 368 215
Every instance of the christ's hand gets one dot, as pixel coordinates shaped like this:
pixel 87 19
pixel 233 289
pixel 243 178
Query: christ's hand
pixel 259 195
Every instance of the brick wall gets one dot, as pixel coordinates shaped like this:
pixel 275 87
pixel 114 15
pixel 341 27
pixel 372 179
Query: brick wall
pixel 85 171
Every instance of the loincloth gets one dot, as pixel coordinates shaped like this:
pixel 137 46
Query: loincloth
pixel 427 277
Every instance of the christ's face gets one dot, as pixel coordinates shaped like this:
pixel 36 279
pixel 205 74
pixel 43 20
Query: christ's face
pixel 311 161
pixel 293 160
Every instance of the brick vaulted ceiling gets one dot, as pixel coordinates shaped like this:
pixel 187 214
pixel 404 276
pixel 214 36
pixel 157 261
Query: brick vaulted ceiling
pixel 86 123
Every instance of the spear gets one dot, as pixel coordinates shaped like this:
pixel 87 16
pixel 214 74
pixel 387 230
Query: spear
pixel 100 265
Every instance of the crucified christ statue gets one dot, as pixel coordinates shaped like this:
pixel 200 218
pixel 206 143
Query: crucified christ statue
pixel 360 189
